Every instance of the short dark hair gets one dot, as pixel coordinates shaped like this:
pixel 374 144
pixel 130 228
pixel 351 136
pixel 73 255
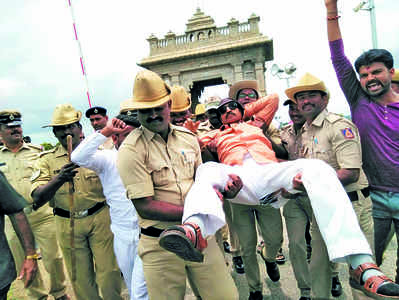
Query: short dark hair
pixel 130 120
pixel 372 56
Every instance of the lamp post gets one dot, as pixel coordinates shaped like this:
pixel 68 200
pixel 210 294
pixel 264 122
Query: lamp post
pixel 371 9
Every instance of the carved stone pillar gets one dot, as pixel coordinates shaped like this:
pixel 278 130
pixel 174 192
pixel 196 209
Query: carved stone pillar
pixel 260 77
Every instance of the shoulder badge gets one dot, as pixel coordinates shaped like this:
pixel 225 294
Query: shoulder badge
pixel 348 133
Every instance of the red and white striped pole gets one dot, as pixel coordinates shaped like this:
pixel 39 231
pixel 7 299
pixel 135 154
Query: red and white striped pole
pixel 82 64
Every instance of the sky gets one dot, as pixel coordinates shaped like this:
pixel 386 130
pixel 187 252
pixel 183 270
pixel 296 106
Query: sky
pixel 39 58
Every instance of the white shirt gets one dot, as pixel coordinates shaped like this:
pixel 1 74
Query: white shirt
pixel 124 221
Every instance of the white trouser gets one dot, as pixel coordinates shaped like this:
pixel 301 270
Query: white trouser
pixel 131 266
pixel 331 206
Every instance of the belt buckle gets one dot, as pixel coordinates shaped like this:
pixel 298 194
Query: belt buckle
pixel 81 214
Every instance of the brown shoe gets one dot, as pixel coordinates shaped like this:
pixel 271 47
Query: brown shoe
pixel 182 241
pixel 65 297
pixel 373 287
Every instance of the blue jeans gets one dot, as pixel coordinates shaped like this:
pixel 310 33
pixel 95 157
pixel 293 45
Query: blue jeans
pixel 385 212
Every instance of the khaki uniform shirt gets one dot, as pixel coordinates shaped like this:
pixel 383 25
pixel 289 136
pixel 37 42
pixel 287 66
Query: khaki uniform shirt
pixel 18 170
pixel 88 188
pixel 291 141
pixel 274 134
pixel 149 166
pixel 336 141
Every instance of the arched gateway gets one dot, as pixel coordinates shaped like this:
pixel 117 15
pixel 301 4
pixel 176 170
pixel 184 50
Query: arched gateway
pixel 208 55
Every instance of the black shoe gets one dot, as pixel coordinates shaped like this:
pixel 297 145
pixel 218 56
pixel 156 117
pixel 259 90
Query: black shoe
pixel 226 247
pixel 304 298
pixel 257 295
pixel 273 271
pixel 336 287
pixel 280 258
pixel 238 265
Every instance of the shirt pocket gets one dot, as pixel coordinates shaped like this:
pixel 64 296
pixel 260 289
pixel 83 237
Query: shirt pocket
pixel 323 154
pixel 187 162
pixel 91 183
pixel 160 174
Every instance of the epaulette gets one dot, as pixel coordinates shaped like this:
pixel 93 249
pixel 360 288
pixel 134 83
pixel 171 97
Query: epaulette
pixel 332 117
pixel 133 137
pixel 41 154
pixel 37 147
pixel 183 129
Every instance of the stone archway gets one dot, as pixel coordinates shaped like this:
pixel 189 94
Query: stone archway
pixel 208 55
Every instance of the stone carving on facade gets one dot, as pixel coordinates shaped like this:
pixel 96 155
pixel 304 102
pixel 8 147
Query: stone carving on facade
pixel 207 55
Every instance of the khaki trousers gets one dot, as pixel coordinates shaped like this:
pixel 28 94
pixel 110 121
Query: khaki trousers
pixel 320 263
pixel 43 228
pixel 96 266
pixel 166 273
pixel 297 212
pixel 271 227
pixel 227 232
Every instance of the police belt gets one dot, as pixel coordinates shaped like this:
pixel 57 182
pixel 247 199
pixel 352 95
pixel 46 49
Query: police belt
pixel 353 196
pixel 78 214
pixel 151 231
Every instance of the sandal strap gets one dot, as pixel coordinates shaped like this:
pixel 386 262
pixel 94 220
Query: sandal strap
pixel 197 231
pixel 374 282
pixel 357 273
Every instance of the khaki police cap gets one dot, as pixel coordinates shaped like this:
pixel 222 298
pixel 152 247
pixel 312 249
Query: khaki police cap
pixel 10 117
pixel 149 90
pixel 395 77
pixel 241 85
pixel 307 82
pixel 200 109
pixel 126 106
pixel 181 100
pixel 64 114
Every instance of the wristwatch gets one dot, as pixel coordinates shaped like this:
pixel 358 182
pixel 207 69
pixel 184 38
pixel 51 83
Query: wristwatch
pixel 35 256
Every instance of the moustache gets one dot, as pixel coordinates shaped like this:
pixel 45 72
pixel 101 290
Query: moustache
pixel 149 120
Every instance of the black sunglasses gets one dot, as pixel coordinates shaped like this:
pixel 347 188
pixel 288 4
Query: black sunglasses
pixel 230 105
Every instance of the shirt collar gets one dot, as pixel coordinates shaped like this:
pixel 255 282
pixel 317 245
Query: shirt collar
pixel 149 135
pixel 60 151
pixel 320 118
pixel 24 146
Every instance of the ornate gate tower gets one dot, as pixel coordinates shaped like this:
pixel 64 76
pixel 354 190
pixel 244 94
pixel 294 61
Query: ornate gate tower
pixel 208 55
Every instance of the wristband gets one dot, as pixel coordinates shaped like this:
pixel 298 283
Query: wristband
pixel 35 256
pixel 333 18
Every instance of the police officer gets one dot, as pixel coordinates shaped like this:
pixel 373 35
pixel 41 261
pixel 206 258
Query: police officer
pixel 19 158
pixel 157 163
pixel 181 106
pixel 335 140
pixel 246 218
pixel 95 265
pixel 98 119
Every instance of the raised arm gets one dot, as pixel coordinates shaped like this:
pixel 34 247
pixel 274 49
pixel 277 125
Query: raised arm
pixel 334 33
